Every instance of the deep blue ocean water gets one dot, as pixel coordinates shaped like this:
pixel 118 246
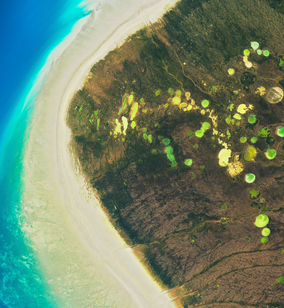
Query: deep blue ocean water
pixel 30 30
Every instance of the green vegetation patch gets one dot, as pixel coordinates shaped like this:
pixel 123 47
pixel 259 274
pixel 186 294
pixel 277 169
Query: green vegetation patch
pixel 167 142
pixel 246 52
pixel 252 119
pixel 261 220
pixel 205 103
pixel 280 279
pixel 190 134
pixel 231 71
pixel 199 133
pixel 171 157
pixel 176 100
pixel 250 153
pixel 271 154
pixel 263 132
pixel 254 193
pixel 250 178
pixel 188 162
pixel 171 91
pixel 280 131
pixel 223 206
pixel 254 45
pixel 265 232
pixel 264 240
pixel 169 150
pixel 243 139
pixel 266 53
pixel 205 126
pixel 253 140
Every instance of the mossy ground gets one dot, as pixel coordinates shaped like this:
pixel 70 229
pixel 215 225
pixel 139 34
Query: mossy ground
pixel 173 211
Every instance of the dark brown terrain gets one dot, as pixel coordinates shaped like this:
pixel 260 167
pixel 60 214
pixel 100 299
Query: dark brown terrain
pixel 137 123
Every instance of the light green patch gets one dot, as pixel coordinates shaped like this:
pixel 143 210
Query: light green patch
pixel 250 178
pixel 183 105
pixel 169 150
pixel 280 131
pixel 167 142
pixel 144 130
pixel 133 124
pixel 250 153
pixel 195 146
pixel 271 153
pixel 166 105
pixel 259 52
pixel 236 92
pixel 98 124
pixel 178 92
pixel 237 116
pixel 264 240
pixel 224 156
pixel 171 157
pixel 231 71
pixel 252 119
pixel 228 119
pixel 246 52
pixel 266 53
pixel 150 138
pixel 130 99
pixel 254 45
pixel 188 162
pixel 254 193
pixel 243 139
pixel 141 101
pixel 261 221
pixel 205 103
pixel 228 134
pixel 144 110
pixel 253 140
pixel 158 93
pixel 176 100
pixel 199 133
pixel 205 125
pixel 145 136
pixel 230 107
pixel 133 111
pixel 156 124
pixel 265 232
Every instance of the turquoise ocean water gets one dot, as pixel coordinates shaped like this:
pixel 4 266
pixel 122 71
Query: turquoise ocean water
pixel 30 30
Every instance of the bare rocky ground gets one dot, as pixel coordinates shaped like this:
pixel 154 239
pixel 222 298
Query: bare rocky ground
pixel 137 122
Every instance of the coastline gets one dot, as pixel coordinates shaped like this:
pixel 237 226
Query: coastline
pixel 55 191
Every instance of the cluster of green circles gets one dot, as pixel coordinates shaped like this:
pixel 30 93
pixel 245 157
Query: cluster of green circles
pixel 205 103
pixel 280 131
pixel 169 150
pixel 271 154
pixel 250 178
pixel 252 119
pixel 204 127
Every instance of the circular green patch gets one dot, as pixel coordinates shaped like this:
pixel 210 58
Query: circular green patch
pixel 250 178
pixel 145 136
pixel 231 71
pixel 271 153
pixel 195 146
pixel 246 52
pixel 243 139
pixel 264 240
pixel 266 53
pixel 190 134
pixel 169 150
pixel 280 279
pixel 167 142
pixel 253 140
pixel 158 93
pixel 205 103
pixel 171 157
pixel 199 133
pixel 176 100
pixel 247 239
pixel 259 52
pixel 174 164
pixel 254 45
pixel 202 167
pixel 223 206
pixel 205 125
pixel 252 119
pixel 261 221
pixel 280 131
pixel 188 162
pixel 154 151
pixel 265 232
pixel 178 92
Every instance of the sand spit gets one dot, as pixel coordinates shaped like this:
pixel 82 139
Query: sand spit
pixel 85 262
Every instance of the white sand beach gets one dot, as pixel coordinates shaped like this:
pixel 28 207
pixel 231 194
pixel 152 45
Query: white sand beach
pixel 84 260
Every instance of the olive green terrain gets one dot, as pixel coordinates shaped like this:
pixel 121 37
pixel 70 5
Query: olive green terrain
pixel 134 127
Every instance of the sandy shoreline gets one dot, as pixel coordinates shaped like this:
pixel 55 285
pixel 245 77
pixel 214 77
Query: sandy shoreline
pixel 82 256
